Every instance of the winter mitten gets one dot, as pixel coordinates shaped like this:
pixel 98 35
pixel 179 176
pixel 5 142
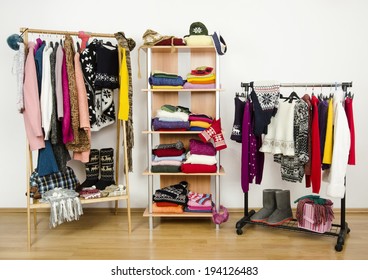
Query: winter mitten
pixel 107 168
pixel 219 142
pixel 210 132
pixel 92 170
pixel 236 132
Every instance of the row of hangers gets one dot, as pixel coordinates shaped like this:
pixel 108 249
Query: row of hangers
pixel 78 44
pixel 294 96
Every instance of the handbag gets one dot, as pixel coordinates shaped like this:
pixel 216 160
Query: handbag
pixel 219 218
pixel 41 184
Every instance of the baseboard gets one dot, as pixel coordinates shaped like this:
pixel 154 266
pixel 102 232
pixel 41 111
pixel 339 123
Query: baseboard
pixel 141 210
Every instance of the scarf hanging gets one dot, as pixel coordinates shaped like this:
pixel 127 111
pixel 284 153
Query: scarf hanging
pixel 128 44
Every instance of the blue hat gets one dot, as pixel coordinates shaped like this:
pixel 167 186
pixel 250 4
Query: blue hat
pixel 14 40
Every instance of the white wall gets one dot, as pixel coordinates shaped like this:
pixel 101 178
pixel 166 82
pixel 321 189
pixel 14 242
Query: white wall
pixel 288 41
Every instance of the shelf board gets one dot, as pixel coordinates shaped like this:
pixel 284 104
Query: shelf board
pixel 220 173
pixel 181 89
pixel 170 132
pixel 179 47
pixel 36 204
pixel 176 215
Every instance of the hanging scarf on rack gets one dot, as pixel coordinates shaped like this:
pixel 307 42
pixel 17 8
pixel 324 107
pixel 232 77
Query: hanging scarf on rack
pixel 81 140
pixel 62 155
pixel 128 45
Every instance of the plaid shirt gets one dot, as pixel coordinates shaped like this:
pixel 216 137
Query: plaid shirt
pixel 65 180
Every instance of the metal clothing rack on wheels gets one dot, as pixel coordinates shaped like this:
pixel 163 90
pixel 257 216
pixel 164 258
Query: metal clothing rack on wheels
pixel 35 204
pixel 337 230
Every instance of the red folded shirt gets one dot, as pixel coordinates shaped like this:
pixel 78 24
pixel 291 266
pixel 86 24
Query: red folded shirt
pixel 198 168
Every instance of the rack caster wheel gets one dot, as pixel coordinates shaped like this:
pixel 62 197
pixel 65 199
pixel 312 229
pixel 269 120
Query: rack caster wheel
pixel 348 231
pixel 338 247
pixel 239 231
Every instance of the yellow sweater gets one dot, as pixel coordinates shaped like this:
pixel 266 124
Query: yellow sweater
pixel 327 153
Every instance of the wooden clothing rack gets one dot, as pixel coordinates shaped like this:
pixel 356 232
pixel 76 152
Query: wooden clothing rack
pixel 337 230
pixel 36 204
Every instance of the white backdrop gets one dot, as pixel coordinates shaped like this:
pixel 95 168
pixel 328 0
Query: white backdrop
pixel 288 41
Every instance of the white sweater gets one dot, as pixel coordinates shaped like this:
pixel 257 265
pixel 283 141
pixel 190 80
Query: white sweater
pixel 341 146
pixel 46 91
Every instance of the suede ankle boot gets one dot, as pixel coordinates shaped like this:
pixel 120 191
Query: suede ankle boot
pixel 283 212
pixel 269 206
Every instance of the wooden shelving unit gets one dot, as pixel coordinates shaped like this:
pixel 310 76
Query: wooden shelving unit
pixel 203 101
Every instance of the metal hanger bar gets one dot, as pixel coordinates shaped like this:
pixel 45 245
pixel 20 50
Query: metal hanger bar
pixel 58 32
pixel 317 85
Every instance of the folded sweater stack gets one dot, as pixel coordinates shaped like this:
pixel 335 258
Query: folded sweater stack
pixel 199 202
pixel 201 78
pixel 199 122
pixel 171 118
pixel 201 158
pixel 167 158
pixel 171 199
pixel 165 80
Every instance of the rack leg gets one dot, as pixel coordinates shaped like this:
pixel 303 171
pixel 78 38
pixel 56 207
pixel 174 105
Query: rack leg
pixel 35 218
pixel 344 225
pixel 129 216
pixel 29 228
pixel 247 214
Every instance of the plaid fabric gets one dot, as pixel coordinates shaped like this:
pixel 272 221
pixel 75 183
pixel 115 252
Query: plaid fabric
pixel 65 180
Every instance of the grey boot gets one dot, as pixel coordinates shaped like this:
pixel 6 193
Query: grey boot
pixel 283 212
pixel 269 206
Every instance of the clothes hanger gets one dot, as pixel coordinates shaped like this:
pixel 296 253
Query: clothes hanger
pixel 293 96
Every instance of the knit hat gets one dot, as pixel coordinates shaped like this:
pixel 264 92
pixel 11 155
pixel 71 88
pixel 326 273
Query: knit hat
pixel 151 37
pixel 13 41
pixel 198 28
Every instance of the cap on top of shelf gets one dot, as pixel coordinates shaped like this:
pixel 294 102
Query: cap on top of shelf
pixel 198 28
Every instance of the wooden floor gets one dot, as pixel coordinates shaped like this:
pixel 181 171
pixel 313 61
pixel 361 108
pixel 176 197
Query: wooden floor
pixel 104 236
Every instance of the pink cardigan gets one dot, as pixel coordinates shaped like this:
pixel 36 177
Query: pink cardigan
pixel 32 110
